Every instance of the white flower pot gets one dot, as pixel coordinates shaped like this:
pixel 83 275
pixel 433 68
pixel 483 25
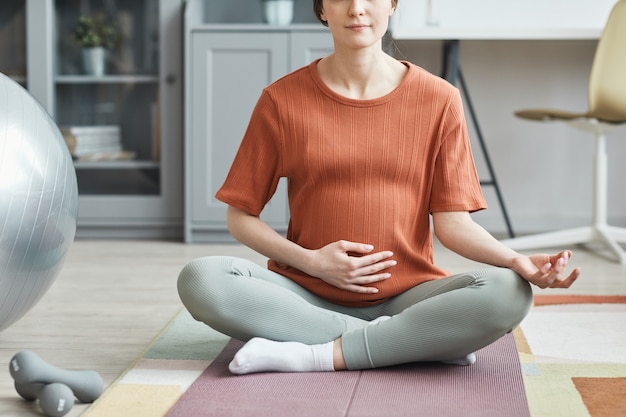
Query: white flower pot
pixel 94 60
pixel 278 12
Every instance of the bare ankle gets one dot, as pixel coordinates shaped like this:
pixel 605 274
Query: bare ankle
pixel 338 361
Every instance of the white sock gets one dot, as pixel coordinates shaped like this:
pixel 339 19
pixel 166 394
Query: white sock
pixel 466 360
pixel 262 355
pixel 379 319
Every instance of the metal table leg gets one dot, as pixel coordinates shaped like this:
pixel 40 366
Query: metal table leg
pixel 451 71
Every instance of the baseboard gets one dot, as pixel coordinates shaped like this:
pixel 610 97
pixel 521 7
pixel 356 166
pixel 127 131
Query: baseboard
pixel 521 225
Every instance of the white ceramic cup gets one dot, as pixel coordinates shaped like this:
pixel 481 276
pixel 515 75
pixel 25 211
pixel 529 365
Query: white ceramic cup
pixel 278 12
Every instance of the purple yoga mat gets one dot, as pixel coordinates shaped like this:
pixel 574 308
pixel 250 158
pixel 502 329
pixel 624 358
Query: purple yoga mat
pixel 493 386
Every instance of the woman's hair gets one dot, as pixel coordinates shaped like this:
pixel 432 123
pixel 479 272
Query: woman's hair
pixel 318 5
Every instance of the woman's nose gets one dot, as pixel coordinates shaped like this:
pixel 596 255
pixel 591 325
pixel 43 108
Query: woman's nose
pixel 357 7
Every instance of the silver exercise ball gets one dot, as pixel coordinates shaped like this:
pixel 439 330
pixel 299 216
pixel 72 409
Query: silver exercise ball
pixel 38 201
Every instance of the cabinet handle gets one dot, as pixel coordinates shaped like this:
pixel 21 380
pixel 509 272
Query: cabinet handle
pixel 170 79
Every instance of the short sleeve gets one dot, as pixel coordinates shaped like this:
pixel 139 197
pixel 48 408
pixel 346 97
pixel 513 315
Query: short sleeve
pixel 254 174
pixel 456 186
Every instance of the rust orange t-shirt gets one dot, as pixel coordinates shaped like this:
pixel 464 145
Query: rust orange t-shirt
pixel 368 171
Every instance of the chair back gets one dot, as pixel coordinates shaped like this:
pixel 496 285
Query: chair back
pixel 607 84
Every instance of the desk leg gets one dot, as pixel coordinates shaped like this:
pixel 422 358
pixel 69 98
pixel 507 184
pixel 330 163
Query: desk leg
pixel 450 61
pixel 451 71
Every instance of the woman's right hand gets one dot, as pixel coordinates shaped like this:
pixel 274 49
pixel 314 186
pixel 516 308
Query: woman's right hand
pixel 347 265
pixel 350 266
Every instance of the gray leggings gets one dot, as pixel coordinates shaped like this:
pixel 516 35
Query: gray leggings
pixel 437 320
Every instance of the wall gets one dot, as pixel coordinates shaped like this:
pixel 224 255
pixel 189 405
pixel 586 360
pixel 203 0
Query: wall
pixel 544 169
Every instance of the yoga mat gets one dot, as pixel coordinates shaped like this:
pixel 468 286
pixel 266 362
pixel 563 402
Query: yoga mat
pixel 493 386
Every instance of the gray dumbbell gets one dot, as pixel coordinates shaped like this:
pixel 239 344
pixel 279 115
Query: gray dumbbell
pixel 29 392
pixel 27 367
pixel 55 400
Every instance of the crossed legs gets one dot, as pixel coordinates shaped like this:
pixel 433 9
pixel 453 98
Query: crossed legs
pixel 439 320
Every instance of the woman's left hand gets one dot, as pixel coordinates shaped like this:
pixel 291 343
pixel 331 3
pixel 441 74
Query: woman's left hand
pixel 546 271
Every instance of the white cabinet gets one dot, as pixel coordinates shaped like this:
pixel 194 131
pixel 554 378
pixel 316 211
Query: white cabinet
pixel 138 192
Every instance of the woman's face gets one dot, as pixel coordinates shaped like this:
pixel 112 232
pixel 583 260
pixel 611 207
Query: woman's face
pixel 357 23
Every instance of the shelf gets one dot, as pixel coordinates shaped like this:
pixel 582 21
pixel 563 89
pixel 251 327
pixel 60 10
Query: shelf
pixel 106 79
pixel 106 165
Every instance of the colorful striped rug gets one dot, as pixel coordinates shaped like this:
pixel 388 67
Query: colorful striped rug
pixel 571 348
pixel 573 354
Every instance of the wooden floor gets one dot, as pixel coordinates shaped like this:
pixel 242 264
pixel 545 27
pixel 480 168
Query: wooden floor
pixel 113 297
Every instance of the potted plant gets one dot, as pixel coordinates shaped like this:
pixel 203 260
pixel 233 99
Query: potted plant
pixel 94 35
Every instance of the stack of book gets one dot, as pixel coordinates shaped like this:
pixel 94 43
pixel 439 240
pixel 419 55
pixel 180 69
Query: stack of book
pixel 94 142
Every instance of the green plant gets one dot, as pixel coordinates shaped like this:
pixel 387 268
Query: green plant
pixel 96 31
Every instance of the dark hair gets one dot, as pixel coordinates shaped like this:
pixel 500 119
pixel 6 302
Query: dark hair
pixel 318 6
pixel 317 9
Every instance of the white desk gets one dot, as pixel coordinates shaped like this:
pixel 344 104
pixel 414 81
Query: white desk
pixel 500 19
pixel 493 33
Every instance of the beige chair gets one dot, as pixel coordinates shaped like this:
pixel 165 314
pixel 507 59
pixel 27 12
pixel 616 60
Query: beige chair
pixel 607 112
